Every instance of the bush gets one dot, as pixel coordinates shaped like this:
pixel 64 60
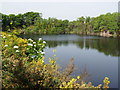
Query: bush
pixel 24 67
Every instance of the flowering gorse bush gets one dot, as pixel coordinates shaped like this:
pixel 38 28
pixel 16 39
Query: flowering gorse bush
pixel 11 45
pixel 24 67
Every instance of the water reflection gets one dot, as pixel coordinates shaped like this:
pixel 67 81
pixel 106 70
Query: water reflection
pixel 108 46
pixel 89 51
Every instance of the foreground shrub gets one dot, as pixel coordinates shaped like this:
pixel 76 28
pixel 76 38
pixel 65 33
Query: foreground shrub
pixel 24 67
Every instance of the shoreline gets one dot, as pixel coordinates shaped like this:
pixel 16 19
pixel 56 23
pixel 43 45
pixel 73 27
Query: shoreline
pixel 88 34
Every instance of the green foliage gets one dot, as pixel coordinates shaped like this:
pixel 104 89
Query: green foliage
pixel 23 70
pixel 106 22
pixel 18 21
pixel 32 22
pixel 35 49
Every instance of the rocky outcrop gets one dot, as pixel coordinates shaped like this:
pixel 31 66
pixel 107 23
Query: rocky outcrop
pixel 105 34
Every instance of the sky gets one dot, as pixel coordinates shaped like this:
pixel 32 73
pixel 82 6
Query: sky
pixel 60 9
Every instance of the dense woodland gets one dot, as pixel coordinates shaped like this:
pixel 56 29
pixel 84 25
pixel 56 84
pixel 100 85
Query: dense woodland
pixel 32 22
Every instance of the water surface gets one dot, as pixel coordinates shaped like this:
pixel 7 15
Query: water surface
pixel 99 55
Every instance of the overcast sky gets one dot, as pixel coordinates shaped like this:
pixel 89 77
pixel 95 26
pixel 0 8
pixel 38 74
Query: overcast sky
pixel 62 10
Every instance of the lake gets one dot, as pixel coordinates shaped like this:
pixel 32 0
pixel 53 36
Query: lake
pixel 97 55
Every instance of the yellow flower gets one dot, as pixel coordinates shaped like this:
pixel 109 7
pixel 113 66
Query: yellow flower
pixel 68 83
pixel 45 66
pixel 73 80
pixel 78 77
pixel 106 78
pixel 64 83
pixel 52 66
pixel 61 86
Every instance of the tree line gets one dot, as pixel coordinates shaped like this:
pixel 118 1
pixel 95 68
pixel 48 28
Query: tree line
pixel 32 22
